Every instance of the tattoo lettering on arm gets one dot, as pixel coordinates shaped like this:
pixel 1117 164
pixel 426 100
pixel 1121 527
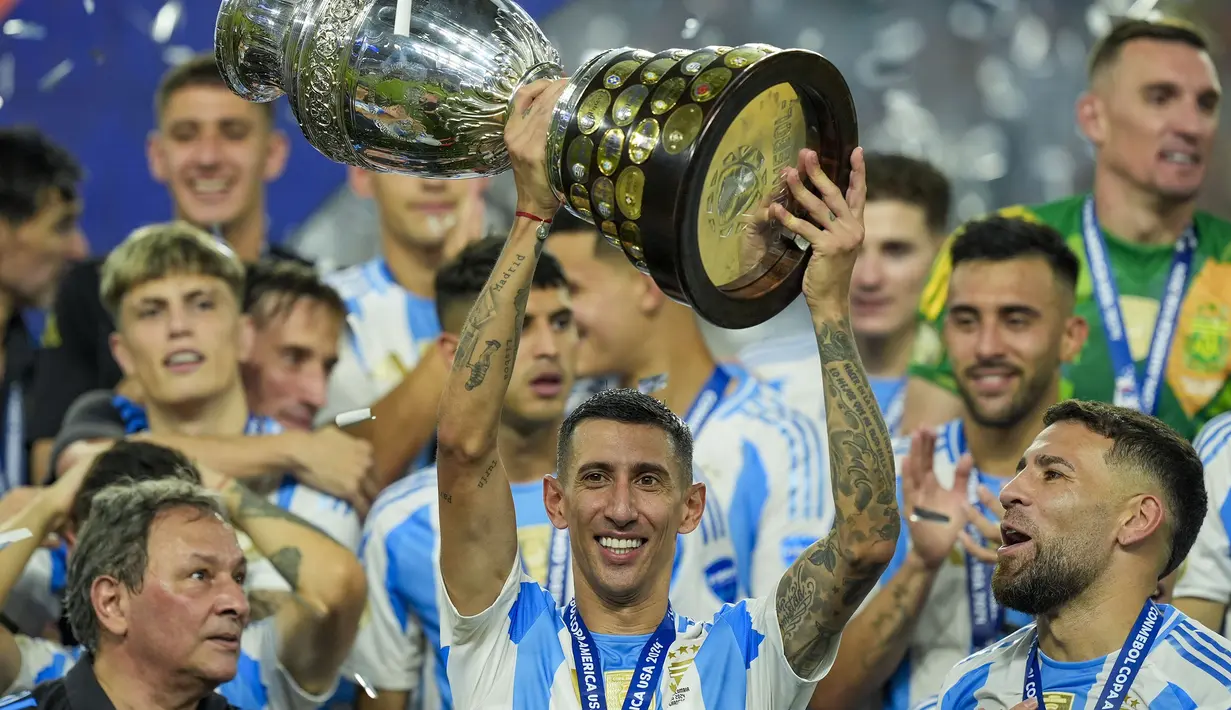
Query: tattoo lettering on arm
pixel 487 472
pixel 519 304
pixel 509 349
pixel 481 314
pixel 822 589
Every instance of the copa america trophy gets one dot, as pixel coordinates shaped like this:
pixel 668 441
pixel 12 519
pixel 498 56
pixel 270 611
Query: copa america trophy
pixel 673 156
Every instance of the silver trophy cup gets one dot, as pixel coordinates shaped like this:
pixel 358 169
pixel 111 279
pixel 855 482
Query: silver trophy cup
pixel 674 156
pixel 430 102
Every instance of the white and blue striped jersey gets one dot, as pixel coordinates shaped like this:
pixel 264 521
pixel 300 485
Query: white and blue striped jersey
pixel 944 632
pixel 387 330
pixel 791 364
pixel 399 647
pixel 1188 667
pixel 767 466
pixel 518 654
pixel 1207 570
pixel 260 681
pixel 35 600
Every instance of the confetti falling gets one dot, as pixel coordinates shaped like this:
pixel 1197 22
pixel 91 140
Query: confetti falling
pixel 984 88
pixel 49 80
pixel 165 21
pixel 8 76
pixel 22 29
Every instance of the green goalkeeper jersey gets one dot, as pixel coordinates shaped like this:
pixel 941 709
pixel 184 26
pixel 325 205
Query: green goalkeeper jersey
pixel 1196 383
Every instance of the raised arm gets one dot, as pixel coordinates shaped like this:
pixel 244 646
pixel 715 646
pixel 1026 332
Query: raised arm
pixel 877 638
pixel 45 513
pixel 315 631
pixel 824 587
pixel 478 526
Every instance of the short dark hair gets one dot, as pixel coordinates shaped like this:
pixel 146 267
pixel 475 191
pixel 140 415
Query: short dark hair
pixel 30 165
pixel 628 406
pixel 1107 50
pixel 916 182
pixel 272 287
pixel 131 462
pixel 1146 444
pixel 201 70
pixel 1006 238
pixel 459 282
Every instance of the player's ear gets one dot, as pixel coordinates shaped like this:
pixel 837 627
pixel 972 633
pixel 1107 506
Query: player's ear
pixel 1143 516
pixel 694 508
pixel 446 345
pixel 553 501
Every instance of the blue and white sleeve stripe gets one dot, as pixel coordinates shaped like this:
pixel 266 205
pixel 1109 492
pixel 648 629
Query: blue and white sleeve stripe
pixel 1203 652
pixel 1213 437
pixel 800 448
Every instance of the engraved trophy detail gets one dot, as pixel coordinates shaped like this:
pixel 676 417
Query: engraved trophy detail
pixel 674 156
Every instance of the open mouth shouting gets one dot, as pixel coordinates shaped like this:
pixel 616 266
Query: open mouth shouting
pixel 1013 540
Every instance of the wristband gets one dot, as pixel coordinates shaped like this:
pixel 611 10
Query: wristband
pixel 544 224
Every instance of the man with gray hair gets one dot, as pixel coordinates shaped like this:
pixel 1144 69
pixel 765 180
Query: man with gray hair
pixel 155 596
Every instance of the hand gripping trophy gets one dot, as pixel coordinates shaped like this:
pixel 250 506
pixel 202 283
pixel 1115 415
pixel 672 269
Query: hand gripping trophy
pixel 674 156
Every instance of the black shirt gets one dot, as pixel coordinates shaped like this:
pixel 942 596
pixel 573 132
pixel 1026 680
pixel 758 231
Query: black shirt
pixel 79 690
pixel 15 403
pixel 76 357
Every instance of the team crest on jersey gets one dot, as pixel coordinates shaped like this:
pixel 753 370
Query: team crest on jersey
pixel 679 660
pixel 1209 338
pixel 1200 361
pixel 1058 701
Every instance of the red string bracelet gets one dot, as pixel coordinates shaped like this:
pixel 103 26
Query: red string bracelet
pixel 534 217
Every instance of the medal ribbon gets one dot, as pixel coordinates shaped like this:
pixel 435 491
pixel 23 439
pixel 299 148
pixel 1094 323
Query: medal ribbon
pixel 589 665
pixel 1132 654
pixel 1130 390
pixel 986 614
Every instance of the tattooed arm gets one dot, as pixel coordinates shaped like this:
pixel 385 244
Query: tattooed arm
pixel 478 525
pixel 824 587
pixel 328 587
pixel 876 640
